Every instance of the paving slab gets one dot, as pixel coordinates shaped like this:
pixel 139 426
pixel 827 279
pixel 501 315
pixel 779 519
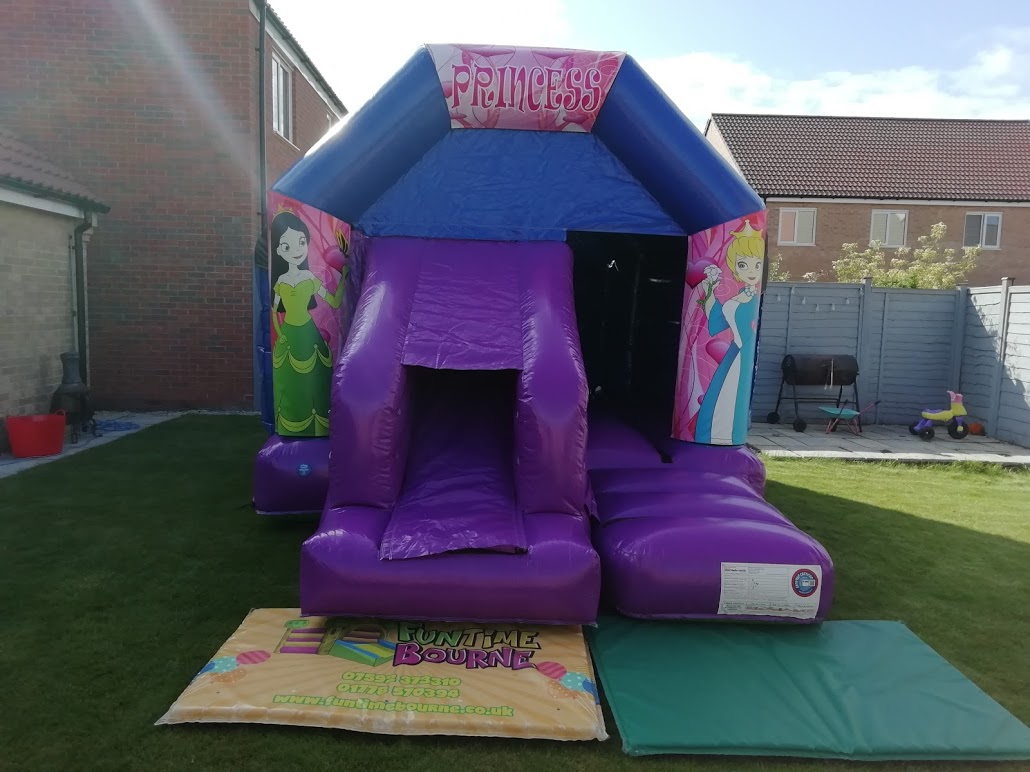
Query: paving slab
pixel 876 443
pixel 882 443
pixel 122 424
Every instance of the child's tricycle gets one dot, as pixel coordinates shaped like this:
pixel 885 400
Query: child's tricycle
pixel 952 419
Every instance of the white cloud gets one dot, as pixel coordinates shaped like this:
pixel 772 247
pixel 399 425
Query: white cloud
pixel 358 46
pixel 987 86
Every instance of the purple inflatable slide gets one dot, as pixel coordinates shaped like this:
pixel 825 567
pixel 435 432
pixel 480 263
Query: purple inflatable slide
pixel 512 357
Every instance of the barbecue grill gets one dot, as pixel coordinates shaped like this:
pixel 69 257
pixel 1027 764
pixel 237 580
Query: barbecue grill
pixel 815 370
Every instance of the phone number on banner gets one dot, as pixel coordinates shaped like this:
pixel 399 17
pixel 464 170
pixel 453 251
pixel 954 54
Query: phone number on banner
pixel 397 691
pixel 380 678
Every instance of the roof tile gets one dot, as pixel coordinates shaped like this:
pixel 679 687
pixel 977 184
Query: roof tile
pixel 26 167
pixel 841 157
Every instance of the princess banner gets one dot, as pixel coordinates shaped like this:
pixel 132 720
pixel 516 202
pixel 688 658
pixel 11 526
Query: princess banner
pixel 398 678
pixel 719 332
pixel 541 89
pixel 311 262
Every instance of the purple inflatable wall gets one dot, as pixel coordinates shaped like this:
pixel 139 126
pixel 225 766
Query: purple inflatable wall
pixel 458 480
pixel 313 290
pixel 418 468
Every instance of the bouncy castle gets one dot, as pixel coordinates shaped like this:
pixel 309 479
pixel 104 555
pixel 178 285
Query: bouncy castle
pixel 514 318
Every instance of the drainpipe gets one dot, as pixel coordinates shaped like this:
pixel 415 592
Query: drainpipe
pixel 262 170
pixel 262 205
pixel 80 293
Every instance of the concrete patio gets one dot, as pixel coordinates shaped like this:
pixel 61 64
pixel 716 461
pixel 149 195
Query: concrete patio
pixel 876 443
pixel 881 443
pixel 124 423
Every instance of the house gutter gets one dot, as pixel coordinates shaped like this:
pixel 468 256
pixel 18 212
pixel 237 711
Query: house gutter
pixel 80 293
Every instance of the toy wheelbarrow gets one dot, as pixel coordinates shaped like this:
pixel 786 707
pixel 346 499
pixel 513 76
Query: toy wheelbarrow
pixel 953 420
pixel 847 416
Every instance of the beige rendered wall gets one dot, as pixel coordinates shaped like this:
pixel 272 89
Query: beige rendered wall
pixel 36 288
pixel 714 136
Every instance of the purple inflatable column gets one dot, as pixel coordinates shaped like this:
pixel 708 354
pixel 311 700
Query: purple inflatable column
pixel 369 393
pixel 551 418
pixel 719 332
pixel 313 277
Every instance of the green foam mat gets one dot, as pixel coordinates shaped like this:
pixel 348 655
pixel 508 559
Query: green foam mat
pixel 851 690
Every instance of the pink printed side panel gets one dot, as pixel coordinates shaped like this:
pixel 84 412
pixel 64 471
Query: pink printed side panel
pixel 719 333
pixel 313 275
pixel 328 252
pixel 539 89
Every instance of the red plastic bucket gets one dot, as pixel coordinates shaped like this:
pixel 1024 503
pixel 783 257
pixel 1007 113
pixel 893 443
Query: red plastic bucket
pixel 36 435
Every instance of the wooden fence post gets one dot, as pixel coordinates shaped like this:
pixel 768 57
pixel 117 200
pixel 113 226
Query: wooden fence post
pixel 790 304
pixel 861 349
pixel 959 336
pixel 883 347
pixel 1004 303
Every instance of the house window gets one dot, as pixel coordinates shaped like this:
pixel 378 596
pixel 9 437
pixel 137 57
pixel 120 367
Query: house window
pixel 983 229
pixel 797 227
pixel 282 99
pixel 889 228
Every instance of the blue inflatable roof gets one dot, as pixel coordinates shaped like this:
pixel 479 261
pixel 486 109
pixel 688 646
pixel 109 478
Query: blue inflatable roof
pixel 398 168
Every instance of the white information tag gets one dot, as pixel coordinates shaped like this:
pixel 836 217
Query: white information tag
pixel 771 590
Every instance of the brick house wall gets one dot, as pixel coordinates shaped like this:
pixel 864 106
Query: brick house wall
pixel 841 223
pixel 37 281
pixel 309 115
pixel 157 110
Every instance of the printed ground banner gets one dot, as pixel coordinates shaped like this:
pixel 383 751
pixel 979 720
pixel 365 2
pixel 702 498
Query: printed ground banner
pixel 414 678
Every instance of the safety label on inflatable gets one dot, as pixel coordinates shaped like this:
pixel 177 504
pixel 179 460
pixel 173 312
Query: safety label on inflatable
pixel 398 678
pixel 770 589
pixel 539 89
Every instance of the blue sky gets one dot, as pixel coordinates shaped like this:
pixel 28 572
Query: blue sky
pixel 910 58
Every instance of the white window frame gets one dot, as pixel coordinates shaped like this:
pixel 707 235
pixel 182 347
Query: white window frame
pixel 983 228
pixel 793 242
pixel 282 99
pixel 886 233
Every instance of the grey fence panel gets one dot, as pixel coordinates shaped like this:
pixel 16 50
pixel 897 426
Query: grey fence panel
pixel 804 318
pixel 980 350
pixel 1014 415
pixel 915 353
pixel 771 349
pixel 912 347
pixel 871 347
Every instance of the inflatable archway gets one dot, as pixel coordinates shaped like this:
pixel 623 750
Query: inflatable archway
pixel 515 312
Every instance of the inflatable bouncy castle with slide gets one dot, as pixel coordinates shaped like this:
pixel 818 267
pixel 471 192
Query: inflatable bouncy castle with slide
pixel 514 317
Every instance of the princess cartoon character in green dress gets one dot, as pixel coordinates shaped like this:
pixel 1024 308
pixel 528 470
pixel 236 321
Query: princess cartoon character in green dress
pixel 301 359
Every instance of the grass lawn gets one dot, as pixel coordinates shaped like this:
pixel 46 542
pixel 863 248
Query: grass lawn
pixel 123 569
